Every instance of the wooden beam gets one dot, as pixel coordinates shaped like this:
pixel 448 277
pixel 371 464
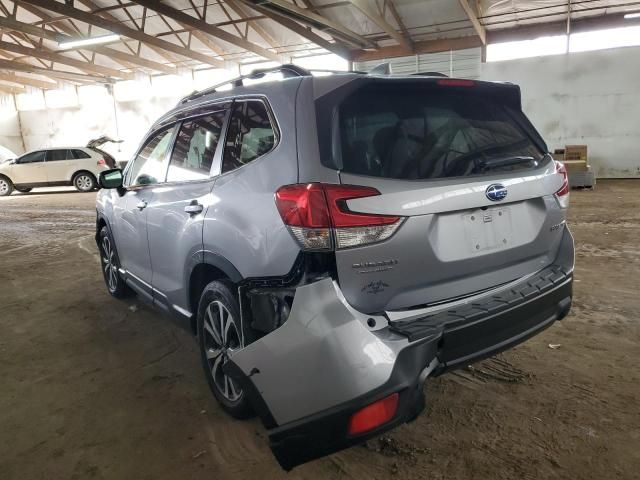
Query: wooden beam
pixel 121 29
pixel 203 37
pixel 101 49
pixel 11 24
pixel 473 18
pixel 396 16
pixel 17 66
pixel 11 89
pixel 380 21
pixel 58 58
pixel 104 12
pixel 239 10
pixel 127 57
pixel 337 48
pixel 429 46
pixel 316 21
pixel 32 82
pixel 205 27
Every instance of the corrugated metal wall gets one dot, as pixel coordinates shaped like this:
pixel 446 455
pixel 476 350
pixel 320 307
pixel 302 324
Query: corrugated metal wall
pixel 460 63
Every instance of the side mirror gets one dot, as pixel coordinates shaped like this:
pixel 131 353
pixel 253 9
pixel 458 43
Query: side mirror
pixel 111 178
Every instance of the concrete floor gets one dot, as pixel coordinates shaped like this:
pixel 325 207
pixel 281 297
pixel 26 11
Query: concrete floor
pixel 92 387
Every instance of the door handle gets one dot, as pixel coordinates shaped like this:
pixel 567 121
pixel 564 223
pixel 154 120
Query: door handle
pixel 142 204
pixel 194 208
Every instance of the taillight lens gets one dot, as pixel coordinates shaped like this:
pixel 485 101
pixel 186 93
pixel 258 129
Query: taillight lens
pixel 373 415
pixel 101 162
pixel 318 217
pixel 456 82
pixel 562 195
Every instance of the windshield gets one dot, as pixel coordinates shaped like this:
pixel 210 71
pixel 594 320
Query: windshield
pixel 413 134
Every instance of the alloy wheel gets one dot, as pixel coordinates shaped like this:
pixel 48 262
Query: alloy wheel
pixel 4 186
pixel 221 339
pixel 84 182
pixel 109 264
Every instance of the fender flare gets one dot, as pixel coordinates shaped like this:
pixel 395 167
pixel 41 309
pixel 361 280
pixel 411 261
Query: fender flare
pixel 216 260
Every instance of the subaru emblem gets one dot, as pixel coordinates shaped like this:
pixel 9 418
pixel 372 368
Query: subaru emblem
pixel 496 192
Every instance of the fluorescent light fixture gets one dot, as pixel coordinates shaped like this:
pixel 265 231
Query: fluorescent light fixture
pixel 627 16
pixel 83 42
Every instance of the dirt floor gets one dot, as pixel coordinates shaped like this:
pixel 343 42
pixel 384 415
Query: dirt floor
pixel 92 387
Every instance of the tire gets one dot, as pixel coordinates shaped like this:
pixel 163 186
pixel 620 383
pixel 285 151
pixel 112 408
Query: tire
pixel 84 181
pixel 218 298
pixel 110 264
pixel 23 189
pixel 6 187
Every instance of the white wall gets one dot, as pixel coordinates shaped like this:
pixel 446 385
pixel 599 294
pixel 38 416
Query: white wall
pixel 76 125
pixel 10 133
pixel 590 98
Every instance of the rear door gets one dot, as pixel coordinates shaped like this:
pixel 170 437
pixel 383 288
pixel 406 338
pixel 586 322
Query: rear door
pixel 468 179
pixel 29 169
pixel 59 162
pixel 175 213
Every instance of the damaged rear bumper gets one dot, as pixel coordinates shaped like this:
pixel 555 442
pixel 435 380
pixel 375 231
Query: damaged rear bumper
pixel 328 361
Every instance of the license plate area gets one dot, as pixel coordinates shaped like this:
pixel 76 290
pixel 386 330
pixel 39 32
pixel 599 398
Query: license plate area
pixel 488 229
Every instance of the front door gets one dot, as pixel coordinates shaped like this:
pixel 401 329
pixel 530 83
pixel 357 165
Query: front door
pixel 147 170
pixel 175 215
pixel 29 169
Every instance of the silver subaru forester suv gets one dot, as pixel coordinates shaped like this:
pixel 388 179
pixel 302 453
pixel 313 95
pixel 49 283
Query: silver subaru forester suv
pixel 334 241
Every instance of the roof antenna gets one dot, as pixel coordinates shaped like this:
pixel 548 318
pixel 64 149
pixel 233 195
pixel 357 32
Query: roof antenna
pixel 382 69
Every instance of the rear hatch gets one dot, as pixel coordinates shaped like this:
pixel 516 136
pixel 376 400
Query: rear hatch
pixel 466 177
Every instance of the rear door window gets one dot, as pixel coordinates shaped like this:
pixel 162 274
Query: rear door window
pixel 79 154
pixel 406 134
pixel 149 167
pixel 249 136
pixel 195 147
pixel 59 155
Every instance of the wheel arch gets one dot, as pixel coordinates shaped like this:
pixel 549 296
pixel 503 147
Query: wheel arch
pixel 205 267
pixel 83 170
pixel 4 175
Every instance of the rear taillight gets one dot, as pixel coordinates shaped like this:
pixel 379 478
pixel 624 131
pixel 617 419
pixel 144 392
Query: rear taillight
pixel 562 195
pixel 318 217
pixel 456 82
pixel 101 162
pixel 374 415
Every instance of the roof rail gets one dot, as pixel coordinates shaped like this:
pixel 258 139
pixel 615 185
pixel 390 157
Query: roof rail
pixel 288 71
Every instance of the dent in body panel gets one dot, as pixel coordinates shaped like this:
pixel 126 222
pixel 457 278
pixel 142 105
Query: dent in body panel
pixel 322 356
pixel 243 225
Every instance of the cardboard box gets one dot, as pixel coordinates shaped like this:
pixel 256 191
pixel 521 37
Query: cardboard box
pixel 574 166
pixel 575 152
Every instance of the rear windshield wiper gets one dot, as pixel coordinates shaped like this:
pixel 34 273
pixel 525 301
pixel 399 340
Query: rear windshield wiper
pixel 498 162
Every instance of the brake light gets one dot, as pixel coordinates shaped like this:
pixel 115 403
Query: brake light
pixel 318 217
pixel 101 162
pixel 456 82
pixel 562 195
pixel 373 415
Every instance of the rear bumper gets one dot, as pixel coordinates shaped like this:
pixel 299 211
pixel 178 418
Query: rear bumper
pixel 326 354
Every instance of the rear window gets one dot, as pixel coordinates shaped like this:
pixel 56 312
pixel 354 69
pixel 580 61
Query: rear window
pixel 426 134
pixel 79 154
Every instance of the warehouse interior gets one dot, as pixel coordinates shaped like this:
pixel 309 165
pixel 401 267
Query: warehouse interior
pixel 92 387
